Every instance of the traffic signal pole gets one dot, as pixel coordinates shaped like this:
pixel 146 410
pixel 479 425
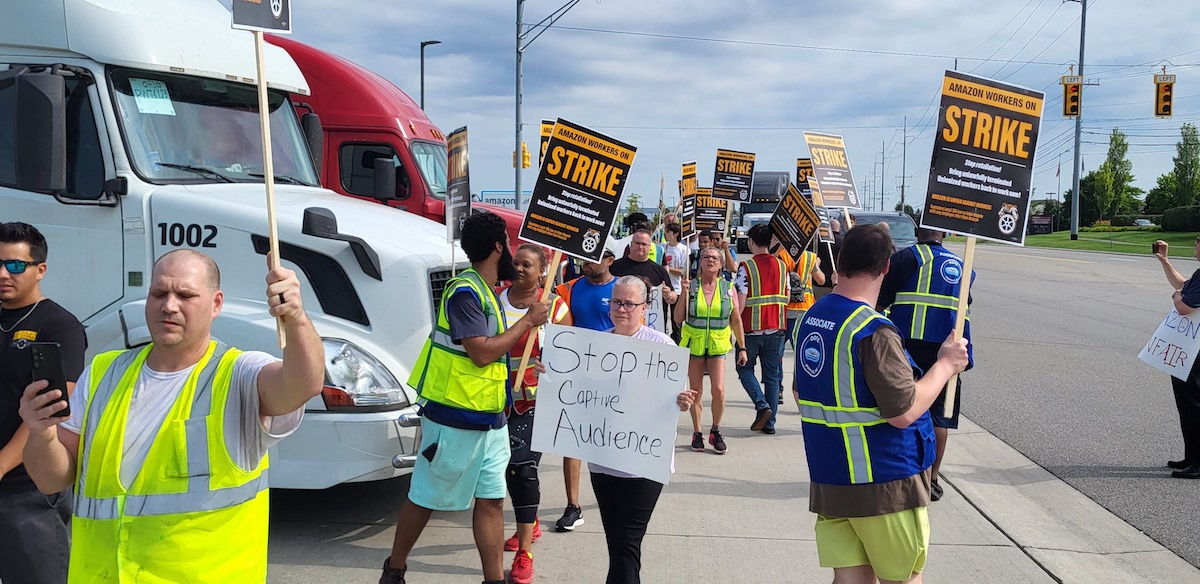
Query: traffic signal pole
pixel 1078 128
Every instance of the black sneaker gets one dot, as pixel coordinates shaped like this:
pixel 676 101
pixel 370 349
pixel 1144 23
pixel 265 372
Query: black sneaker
pixel 717 441
pixel 572 518
pixel 392 575
pixel 698 441
pixel 760 419
pixel 768 431
pixel 936 492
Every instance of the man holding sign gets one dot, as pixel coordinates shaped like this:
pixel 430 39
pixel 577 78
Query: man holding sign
pixel 921 288
pixel 460 378
pixel 1187 391
pixel 867 434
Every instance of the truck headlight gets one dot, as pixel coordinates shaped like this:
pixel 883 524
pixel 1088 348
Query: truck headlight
pixel 355 379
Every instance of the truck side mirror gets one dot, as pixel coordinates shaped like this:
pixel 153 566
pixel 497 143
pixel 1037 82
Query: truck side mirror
pixel 314 134
pixel 40 135
pixel 384 187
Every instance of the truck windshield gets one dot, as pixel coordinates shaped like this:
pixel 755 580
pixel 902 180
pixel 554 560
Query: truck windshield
pixel 432 159
pixel 184 129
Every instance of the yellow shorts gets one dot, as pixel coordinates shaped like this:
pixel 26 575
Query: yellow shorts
pixel 894 545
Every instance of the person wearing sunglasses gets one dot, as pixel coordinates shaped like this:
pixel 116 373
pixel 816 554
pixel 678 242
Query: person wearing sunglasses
pixel 1186 299
pixel 709 317
pixel 627 501
pixel 33 526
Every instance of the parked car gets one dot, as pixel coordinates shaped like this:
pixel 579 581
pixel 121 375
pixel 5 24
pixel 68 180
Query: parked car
pixel 1143 223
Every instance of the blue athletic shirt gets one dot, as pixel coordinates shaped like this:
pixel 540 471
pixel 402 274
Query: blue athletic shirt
pixel 589 304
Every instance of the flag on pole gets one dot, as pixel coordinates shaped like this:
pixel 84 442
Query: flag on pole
pixel 1058 172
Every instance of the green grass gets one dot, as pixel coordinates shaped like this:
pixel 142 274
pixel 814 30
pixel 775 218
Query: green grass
pixel 1181 244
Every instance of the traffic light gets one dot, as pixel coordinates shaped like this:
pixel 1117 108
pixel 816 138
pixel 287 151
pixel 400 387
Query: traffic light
pixel 1071 96
pixel 1164 86
pixel 526 159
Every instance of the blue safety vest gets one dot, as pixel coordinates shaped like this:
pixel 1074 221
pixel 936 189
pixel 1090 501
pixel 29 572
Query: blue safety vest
pixel 846 440
pixel 927 304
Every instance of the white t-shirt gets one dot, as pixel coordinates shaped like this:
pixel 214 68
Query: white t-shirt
pixel 643 334
pixel 247 434
pixel 677 257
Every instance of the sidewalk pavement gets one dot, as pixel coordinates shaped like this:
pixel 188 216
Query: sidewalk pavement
pixel 743 517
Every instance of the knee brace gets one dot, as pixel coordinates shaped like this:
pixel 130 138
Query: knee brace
pixel 525 490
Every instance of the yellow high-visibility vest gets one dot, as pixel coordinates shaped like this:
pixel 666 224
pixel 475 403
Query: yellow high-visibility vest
pixel 191 515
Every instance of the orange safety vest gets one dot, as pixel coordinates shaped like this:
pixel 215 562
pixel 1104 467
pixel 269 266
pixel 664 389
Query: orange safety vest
pixel 766 303
pixel 804 268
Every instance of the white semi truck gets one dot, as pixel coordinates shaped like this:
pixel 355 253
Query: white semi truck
pixel 129 128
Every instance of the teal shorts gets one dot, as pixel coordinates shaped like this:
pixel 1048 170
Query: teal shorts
pixel 468 465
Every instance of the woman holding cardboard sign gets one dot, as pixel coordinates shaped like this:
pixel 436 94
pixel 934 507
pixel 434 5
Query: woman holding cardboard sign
pixel 626 501
pixel 709 317
pixel 1187 393
pixel 530 263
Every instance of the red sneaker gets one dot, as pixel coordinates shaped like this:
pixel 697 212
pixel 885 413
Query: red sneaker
pixel 514 542
pixel 522 568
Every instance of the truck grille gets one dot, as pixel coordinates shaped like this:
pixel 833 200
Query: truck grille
pixel 437 285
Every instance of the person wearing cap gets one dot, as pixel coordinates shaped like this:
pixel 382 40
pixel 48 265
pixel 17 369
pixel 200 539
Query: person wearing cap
pixel 587 301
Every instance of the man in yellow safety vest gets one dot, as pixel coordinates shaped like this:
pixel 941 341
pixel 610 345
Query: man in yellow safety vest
pixel 166 445
pixel 461 380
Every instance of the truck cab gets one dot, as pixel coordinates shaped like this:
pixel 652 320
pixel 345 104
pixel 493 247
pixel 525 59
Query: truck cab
pixel 364 119
pixel 129 128
pixel 766 190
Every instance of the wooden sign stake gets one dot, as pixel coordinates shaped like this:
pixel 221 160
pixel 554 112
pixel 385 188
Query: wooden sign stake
pixel 960 321
pixel 268 168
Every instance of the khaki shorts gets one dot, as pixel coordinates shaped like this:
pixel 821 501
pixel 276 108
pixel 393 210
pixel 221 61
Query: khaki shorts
pixel 894 545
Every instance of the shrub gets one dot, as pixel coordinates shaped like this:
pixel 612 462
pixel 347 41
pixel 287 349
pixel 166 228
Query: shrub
pixel 1106 229
pixel 1123 220
pixel 1181 219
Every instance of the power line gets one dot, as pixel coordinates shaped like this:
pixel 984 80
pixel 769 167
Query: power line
pixel 1010 37
pixel 807 47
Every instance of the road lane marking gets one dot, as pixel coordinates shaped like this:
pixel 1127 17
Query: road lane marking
pixel 1036 257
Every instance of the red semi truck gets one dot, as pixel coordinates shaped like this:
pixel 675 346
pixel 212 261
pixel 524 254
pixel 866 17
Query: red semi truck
pixel 373 141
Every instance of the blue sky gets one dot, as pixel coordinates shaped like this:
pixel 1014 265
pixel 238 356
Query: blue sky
pixel 817 65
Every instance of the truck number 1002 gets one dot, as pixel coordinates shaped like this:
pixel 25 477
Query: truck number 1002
pixel 193 235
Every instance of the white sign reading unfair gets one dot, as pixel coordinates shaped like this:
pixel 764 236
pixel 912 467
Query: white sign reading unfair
pixel 610 399
pixel 1174 345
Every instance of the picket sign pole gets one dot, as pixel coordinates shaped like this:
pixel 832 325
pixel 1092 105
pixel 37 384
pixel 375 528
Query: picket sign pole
pixel 453 261
pixel 960 321
pixel 533 332
pixel 268 168
pixel 728 217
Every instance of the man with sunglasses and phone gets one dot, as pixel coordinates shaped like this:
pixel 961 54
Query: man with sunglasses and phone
pixel 33 526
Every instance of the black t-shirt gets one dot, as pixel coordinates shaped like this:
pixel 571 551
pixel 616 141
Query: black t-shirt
pixel 652 271
pixel 1190 293
pixel 48 323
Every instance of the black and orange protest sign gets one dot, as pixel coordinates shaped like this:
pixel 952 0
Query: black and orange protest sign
pixel 687 198
pixel 458 184
pixel 813 194
pixel 831 168
pixel 710 211
pixel 733 175
pixel 804 169
pixel 983 154
pixel 578 191
pixel 795 222
pixel 547 129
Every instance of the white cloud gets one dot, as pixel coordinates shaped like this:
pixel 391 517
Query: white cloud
pixel 763 96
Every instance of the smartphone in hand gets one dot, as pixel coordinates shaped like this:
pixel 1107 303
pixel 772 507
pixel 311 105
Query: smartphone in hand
pixel 46 363
pixel 1155 248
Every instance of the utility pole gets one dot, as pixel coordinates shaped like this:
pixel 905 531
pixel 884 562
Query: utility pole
pixel 523 44
pixel 903 163
pixel 882 170
pixel 1078 126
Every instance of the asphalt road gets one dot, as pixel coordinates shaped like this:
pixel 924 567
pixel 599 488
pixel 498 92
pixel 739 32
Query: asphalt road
pixel 1057 335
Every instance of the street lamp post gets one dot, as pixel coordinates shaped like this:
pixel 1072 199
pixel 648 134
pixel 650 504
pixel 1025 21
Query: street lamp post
pixel 423 45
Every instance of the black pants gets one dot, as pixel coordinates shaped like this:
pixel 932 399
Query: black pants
pixel 625 509
pixel 1187 401
pixel 524 488
pixel 34 536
